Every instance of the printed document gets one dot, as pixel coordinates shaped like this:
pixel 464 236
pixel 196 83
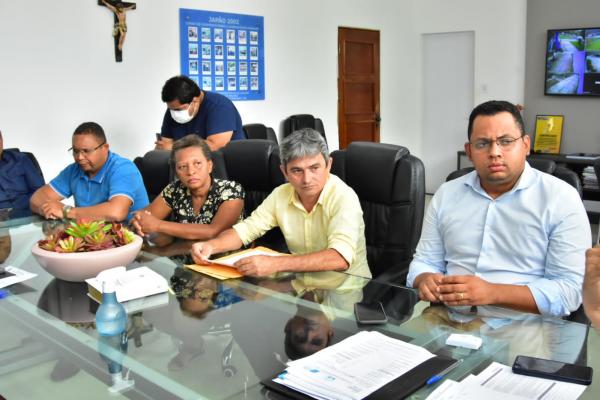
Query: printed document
pixel 353 368
pixel 498 381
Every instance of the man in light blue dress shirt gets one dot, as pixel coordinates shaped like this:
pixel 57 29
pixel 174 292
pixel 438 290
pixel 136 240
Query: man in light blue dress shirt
pixel 505 234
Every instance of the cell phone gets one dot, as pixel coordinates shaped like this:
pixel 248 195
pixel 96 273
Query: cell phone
pixel 370 313
pixel 550 369
pixel 158 137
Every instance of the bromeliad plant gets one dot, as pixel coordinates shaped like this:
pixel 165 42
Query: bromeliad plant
pixel 87 235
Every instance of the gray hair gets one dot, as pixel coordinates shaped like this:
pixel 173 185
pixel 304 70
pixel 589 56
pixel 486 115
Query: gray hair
pixel 305 142
pixel 192 140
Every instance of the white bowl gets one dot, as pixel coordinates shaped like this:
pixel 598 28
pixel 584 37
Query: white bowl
pixel 77 267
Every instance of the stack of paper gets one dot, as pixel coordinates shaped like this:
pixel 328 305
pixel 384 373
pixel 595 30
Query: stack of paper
pixel 498 382
pixel 589 178
pixel 353 368
pixel 129 285
pixel 137 289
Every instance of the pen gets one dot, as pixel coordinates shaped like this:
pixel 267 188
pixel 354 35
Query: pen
pixel 439 376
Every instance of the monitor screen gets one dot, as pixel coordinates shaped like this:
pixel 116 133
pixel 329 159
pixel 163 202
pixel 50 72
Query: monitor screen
pixel 573 62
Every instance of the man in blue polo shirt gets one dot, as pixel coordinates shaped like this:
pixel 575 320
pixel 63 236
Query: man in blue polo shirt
pixel 103 184
pixel 209 115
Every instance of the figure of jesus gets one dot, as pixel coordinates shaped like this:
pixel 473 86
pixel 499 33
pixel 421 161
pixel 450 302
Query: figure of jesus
pixel 120 28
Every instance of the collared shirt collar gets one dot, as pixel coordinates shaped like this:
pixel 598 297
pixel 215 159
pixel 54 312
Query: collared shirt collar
pixel 526 179
pixel 99 177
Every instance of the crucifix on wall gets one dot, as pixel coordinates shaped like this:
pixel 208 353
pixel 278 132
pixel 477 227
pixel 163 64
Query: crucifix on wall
pixel 119 8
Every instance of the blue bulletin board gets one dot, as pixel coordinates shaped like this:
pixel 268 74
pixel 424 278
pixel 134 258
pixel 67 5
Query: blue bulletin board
pixel 223 52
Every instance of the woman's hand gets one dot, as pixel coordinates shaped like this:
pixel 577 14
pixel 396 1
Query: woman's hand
pixel 144 223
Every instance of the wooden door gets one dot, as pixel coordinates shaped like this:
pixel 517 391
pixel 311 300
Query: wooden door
pixel 358 85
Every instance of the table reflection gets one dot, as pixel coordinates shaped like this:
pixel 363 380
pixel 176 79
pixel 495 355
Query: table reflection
pixel 521 333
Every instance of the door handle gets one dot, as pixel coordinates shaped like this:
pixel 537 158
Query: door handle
pixel 377 119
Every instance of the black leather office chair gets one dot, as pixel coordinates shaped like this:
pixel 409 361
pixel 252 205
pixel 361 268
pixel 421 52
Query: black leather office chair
pixel 299 121
pixel 547 166
pixel 254 163
pixel 219 170
pixel 156 171
pixel 458 173
pixel 570 177
pixel 259 131
pixel 392 204
pixel 597 169
pixel 338 166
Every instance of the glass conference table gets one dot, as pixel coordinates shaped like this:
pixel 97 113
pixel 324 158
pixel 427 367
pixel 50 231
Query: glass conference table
pixel 219 339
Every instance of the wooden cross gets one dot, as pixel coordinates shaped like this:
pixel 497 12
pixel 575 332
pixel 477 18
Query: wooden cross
pixel 119 8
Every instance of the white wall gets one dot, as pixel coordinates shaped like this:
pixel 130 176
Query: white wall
pixel 499 27
pixel 57 65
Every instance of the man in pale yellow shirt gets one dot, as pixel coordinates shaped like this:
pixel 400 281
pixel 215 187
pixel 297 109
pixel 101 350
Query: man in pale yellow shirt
pixel 320 217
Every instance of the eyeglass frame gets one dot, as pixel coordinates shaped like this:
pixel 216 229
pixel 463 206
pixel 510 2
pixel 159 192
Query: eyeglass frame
pixel 487 143
pixel 85 152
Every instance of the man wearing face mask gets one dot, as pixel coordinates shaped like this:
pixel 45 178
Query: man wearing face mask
pixel 209 115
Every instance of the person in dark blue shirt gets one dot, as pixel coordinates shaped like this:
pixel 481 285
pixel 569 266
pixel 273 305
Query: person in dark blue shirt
pixel 103 184
pixel 19 179
pixel 209 115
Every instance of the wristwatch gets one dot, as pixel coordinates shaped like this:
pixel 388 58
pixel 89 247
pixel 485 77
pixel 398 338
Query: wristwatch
pixel 66 210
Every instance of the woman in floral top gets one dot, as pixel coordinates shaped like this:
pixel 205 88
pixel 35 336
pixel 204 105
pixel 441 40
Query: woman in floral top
pixel 200 207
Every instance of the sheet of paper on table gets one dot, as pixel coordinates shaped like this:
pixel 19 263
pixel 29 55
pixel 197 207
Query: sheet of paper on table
pixel 498 382
pixel 14 275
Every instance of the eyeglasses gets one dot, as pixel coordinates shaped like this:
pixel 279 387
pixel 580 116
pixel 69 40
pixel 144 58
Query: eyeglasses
pixel 504 143
pixel 85 152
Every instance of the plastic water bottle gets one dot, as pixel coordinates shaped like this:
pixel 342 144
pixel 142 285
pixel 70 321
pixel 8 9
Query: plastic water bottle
pixel 111 318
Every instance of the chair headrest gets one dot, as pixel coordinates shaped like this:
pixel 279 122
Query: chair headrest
pixel 255 131
pixel 300 121
pixel 458 173
pixel 371 169
pixel 254 163
pixel 219 170
pixel 156 170
pixel 547 166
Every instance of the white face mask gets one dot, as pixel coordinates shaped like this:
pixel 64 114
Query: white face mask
pixel 181 116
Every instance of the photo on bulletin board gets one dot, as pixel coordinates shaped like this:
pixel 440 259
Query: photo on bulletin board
pixel 548 133
pixel 224 52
